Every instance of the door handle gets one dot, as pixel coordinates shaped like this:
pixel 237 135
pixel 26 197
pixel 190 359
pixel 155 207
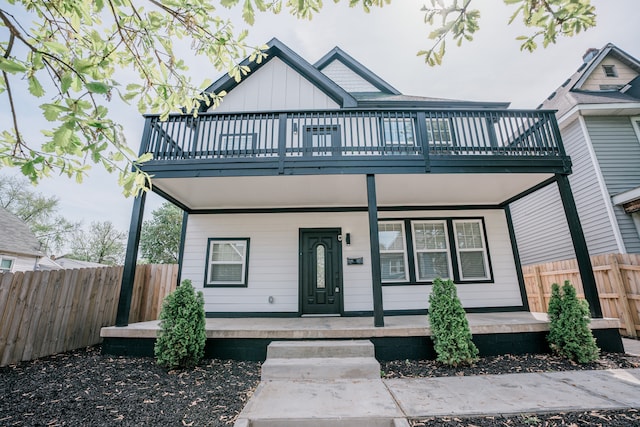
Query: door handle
pixel 337 289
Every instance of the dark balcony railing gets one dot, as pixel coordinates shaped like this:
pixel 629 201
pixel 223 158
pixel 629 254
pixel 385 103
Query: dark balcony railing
pixel 349 133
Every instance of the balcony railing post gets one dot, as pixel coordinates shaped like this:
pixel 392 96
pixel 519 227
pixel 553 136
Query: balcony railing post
pixel 282 141
pixel 145 142
pixel 423 136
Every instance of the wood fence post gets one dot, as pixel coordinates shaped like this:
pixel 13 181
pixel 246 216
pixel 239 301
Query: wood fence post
pixel 540 288
pixel 621 289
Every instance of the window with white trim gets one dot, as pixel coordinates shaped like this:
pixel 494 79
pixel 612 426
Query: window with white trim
pixel 439 131
pixel 431 249
pixel 610 70
pixel 227 262
pixel 393 251
pixel 6 264
pixel 398 131
pixel 471 250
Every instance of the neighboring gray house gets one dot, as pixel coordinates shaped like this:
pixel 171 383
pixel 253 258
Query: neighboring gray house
pixel 599 117
pixel 19 248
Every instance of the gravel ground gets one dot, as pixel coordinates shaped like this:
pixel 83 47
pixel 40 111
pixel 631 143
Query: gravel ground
pixel 85 388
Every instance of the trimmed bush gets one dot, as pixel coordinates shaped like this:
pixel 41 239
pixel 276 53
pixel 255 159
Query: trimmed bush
pixel 449 326
pixel 182 336
pixel 569 333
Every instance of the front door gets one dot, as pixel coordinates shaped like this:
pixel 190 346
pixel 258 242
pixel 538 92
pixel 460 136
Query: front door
pixel 320 271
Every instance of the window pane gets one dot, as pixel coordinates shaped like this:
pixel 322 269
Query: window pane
pixel 430 236
pixel 392 266
pixel 5 264
pixel 232 251
pixel 226 273
pixel 390 236
pixel 438 130
pixel 398 131
pixel 320 267
pixel 469 235
pixel 432 265
pixel 472 264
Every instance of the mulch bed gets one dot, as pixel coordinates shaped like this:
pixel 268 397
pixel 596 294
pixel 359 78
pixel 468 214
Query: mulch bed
pixel 506 364
pixel 84 387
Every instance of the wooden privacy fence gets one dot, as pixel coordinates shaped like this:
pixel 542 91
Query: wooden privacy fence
pixel 49 312
pixel 617 279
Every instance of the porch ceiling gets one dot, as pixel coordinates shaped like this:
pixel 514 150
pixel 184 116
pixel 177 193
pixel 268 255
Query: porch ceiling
pixel 345 190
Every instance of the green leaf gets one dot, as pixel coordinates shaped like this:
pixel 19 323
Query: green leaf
pixel 98 87
pixel 35 88
pixel 56 47
pixel 11 66
pixel 52 111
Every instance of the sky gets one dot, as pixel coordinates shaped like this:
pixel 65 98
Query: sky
pixel 490 68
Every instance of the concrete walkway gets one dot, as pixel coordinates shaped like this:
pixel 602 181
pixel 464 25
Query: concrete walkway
pixel 517 393
pixel 374 402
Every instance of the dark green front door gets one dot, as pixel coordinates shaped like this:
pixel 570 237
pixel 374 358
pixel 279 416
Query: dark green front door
pixel 320 271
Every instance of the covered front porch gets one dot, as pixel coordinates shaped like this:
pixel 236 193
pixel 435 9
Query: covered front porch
pixel 402 337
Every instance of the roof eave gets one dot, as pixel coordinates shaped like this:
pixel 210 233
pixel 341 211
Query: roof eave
pixel 340 55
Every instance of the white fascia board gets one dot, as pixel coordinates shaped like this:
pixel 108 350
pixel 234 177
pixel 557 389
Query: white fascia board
pixel 570 115
pixel 627 196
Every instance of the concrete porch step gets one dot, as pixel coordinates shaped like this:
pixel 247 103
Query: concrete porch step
pixel 323 348
pixel 321 368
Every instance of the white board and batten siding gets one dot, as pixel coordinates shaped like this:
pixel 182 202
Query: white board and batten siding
pixel 273 262
pixel 539 219
pixel 618 151
pixel 275 87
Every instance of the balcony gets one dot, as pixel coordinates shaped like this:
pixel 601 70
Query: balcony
pixel 353 141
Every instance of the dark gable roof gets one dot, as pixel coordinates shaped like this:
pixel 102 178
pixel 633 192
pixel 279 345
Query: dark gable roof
pixel 277 49
pixel 570 94
pixel 389 97
pixel 16 237
pixel 337 54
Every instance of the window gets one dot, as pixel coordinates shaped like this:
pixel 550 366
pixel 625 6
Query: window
pixel 439 131
pixel 419 250
pixel 431 248
pixel 5 265
pixel 237 143
pixel 393 251
pixel 398 131
pixel 471 251
pixel 227 262
pixel 610 70
pixel 321 140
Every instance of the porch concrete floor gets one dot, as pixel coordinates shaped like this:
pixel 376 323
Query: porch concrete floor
pixel 350 327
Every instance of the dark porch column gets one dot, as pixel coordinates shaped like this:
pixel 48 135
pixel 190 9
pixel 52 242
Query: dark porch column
pixel 516 258
pixel 376 274
pixel 126 290
pixel 183 235
pixel 579 246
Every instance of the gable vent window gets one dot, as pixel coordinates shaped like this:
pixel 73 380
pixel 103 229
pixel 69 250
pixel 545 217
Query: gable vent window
pixel 610 70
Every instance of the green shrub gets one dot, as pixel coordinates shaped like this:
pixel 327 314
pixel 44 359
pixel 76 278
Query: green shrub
pixel 449 326
pixel 182 336
pixel 569 333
